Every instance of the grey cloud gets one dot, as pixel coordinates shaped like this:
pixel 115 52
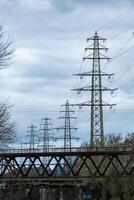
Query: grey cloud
pixel 52 43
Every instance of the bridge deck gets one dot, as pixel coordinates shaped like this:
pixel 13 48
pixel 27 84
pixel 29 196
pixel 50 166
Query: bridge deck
pixel 62 151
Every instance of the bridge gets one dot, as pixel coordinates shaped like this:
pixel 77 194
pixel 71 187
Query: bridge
pixel 75 165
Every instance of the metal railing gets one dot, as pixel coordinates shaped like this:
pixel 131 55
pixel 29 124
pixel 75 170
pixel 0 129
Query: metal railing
pixel 76 149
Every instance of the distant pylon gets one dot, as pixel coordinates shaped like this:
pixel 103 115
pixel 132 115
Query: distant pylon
pixel 46 135
pixel 67 127
pixel 33 137
pixel 96 103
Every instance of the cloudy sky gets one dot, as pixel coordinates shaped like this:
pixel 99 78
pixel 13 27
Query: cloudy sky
pixel 49 37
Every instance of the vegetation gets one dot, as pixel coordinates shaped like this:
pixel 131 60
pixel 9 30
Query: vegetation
pixel 7 128
pixel 113 187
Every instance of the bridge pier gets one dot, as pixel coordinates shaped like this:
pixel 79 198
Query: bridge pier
pixel 59 194
pixel 50 194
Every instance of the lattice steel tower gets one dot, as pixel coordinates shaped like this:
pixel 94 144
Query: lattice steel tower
pixel 67 127
pixel 45 133
pixel 45 136
pixel 96 88
pixel 33 137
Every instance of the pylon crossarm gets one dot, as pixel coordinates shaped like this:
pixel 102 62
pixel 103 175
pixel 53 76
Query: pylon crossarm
pixel 96 58
pixel 73 127
pixel 93 48
pixel 67 117
pixel 62 111
pixel 59 138
pixel 47 124
pixel 62 128
pixel 75 138
pixel 93 74
pixel 96 37
pixel 43 129
pixel 92 104
pixel 45 138
pixel 58 128
pixel 101 47
pixel 89 88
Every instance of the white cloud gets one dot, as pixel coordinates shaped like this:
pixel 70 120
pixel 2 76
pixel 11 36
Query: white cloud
pixel 26 55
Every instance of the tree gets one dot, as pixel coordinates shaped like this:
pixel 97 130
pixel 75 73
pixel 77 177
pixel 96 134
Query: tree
pixel 6 51
pixel 129 140
pixel 113 187
pixel 7 128
pixel 113 140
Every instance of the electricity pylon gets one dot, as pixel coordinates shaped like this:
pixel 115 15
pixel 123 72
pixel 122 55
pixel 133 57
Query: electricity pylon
pixel 67 127
pixel 96 89
pixel 46 136
pixel 45 133
pixel 33 137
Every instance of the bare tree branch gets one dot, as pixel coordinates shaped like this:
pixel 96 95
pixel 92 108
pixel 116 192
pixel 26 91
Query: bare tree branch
pixel 7 128
pixel 6 51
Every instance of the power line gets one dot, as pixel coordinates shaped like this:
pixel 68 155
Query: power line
pixel 35 111
pixel 122 101
pixel 120 52
pixel 124 45
pixel 115 20
pixel 125 68
pixel 127 83
pixel 74 95
pixel 123 73
pixel 121 32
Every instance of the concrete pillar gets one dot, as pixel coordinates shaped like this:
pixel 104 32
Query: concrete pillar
pixel 61 194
